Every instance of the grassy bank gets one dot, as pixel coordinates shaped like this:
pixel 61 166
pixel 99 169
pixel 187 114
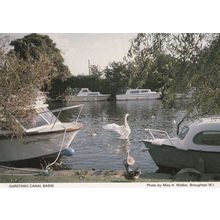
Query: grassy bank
pixel 89 176
pixel 72 176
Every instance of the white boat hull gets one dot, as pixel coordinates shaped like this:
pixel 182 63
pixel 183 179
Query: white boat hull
pixel 137 97
pixel 34 146
pixel 72 98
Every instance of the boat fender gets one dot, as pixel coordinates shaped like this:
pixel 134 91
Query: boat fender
pixel 67 152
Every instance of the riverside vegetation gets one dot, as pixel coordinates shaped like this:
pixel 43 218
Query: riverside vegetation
pixel 169 63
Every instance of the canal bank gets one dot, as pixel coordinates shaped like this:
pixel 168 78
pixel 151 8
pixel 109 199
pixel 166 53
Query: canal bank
pixel 98 176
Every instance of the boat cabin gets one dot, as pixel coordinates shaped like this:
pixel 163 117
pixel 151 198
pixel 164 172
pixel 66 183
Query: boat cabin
pixel 202 134
pixel 87 92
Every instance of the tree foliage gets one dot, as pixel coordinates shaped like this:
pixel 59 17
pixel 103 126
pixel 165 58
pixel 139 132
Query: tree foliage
pixel 96 71
pixel 20 81
pixel 171 63
pixel 180 63
pixel 93 82
pixel 113 79
pixel 34 46
pixel 117 77
pixel 151 63
pixel 206 79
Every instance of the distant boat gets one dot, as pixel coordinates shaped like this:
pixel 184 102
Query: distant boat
pixel 85 95
pixel 45 138
pixel 197 146
pixel 186 95
pixel 183 96
pixel 138 94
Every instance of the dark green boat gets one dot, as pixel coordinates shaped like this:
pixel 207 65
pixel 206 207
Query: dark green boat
pixel 197 146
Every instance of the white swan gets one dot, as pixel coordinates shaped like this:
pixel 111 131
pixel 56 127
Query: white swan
pixel 123 130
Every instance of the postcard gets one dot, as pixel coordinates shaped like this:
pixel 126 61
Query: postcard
pixel 109 107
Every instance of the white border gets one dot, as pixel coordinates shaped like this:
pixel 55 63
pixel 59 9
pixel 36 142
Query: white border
pixel 104 16
pixel 112 16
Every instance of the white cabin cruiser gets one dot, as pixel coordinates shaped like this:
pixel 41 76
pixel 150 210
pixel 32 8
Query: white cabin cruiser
pixel 85 95
pixel 197 146
pixel 45 138
pixel 138 94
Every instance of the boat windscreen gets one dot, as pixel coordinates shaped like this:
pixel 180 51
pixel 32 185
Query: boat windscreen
pixel 48 116
pixel 183 132
pixel 44 117
pixel 36 121
pixel 85 90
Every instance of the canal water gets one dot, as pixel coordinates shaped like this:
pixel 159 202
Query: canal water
pixel 96 148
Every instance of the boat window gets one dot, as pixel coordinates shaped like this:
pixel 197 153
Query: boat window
pixel 183 132
pixel 145 91
pixel 84 90
pixel 134 92
pixel 207 138
pixel 94 93
pixel 36 121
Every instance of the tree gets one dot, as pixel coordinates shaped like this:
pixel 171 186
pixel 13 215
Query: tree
pixel 20 82
pixel 34 45
pixel 206 78
pixel 195 70
pixel 150 61
pixel 117 76
pixel 96 71
pixel 172 62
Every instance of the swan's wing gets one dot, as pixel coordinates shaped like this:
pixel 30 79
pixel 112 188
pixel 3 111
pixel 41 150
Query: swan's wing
pixel 115 127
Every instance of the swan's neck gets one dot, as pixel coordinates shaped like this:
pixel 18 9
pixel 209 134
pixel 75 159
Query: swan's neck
pixel 126 121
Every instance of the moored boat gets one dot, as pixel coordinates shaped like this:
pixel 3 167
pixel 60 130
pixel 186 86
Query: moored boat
pixel 138 94
pixel 197 146
pixel 45 137
pixel 85 95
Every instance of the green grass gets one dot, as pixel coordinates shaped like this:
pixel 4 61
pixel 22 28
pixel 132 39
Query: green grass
pixel 82 176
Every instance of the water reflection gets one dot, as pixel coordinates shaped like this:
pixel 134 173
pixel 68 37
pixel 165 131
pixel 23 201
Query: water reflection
pixel 96 148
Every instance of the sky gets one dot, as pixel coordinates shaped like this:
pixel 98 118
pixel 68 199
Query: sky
pixel 100 49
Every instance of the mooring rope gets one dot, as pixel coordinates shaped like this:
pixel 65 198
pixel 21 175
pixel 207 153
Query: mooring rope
pixel 33 171
pixel 58 155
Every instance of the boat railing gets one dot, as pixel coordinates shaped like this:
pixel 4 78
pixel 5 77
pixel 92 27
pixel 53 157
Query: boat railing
pixel 154 132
